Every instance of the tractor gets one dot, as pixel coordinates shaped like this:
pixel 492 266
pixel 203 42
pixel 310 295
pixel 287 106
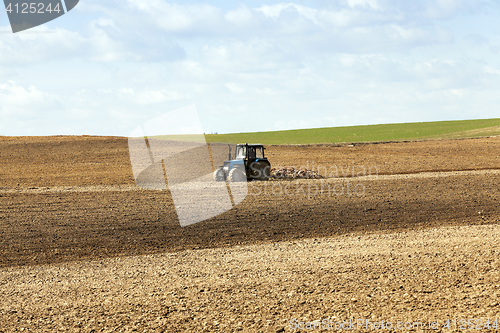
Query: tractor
pixel 249 163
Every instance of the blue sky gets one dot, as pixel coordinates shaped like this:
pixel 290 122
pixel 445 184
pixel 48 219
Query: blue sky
pixel 108 66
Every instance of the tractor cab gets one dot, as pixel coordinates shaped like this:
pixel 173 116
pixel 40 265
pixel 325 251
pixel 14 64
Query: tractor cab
pixel 249 163
pixel 249 152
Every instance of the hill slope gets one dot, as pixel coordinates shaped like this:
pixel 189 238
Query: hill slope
pixel 369 133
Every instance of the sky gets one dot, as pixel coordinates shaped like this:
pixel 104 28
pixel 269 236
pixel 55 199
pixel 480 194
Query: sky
pixel 108 66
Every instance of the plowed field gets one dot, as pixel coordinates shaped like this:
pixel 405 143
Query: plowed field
pixel 396 231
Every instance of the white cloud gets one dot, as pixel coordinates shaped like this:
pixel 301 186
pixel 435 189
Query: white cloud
pixel 235 88
pixel 363 3
pixel 241 16
pixel 276 66
pixel 169 17
pixel 18 100
pixel 48 44
pixel 158 96
pixel 277 10
pixel 491 70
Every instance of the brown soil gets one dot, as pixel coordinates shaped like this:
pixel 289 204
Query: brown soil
pixel 67 199
pixel 392 158
pixel 84 161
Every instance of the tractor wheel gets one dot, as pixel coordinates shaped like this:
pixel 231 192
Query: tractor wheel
pixel 259 171
pixel 236 175
pixel 219 175
pixel 266 173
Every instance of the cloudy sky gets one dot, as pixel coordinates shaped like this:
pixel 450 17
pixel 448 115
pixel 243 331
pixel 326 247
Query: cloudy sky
pixel 109 65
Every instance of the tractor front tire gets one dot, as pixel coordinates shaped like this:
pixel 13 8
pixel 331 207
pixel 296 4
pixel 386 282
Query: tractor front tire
pixel 236 175
pixel 219 175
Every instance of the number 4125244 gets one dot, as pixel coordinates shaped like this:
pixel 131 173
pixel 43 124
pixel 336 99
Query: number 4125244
pixel 471 324
pixel 32 8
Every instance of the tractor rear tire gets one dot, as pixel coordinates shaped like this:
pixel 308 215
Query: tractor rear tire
pixel 219 175
pixel 260 171
pixel 236 175
pixel 266 173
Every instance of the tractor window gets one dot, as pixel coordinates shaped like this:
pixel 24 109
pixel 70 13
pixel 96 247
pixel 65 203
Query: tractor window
pixel 241 152
pixel 260 152
pixel 251 153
